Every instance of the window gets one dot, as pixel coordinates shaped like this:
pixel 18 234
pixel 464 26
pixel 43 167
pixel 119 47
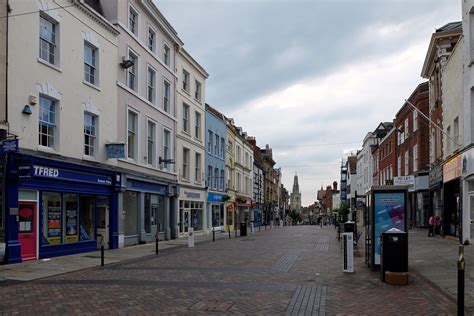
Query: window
pixel 132 135
pixel 216 178
pixel 222 147
pixel 210 137
pixel 415 158
pixel 47 122
pixel 216 145
pixel 185 117
pixel 415 120
pixel 166 55
pixel 247 164
pixel 221 180
pixel 132 71
pixel 130 211
pixel 209 176
pixel 197 93
pixel 90 54
pixel 197 127
pixel 239 158
pixel 151 39
pixel 238 182
pixel 51 217
pixel 151 85
pixel 401 137
pixel 151 143
pixel 399 166
pixel 185 173
pixel 230 146
pixel 48 41
pixel 406 162
pixel 166 97
pixel 89 134
pixel 197 169
pixel 133 21
pixel 456 132
pixel 185 80
pixel 166 144
pixel 406 128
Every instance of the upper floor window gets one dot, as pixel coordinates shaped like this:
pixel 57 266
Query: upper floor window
pixel 197 93
pixel 132 143
pixel 166 144
pixel 166 55
pixel 230 146
pixel 48 41
pixel 89 134
pixel 221 180
pixel 415 158
pixel 210 137
pixel 216 145
pixel 209 176
pixel 197 169
pixel 151 85
pixel 132 71
pixel 90 70
pixel 185 172
pixel 407 160
pixel 151 143
pixel 133 21
pixel 415 120
pixel 151 39
pixel 185 80
pixel 197 127
pixel 47 122
pixel 406 128
pixel 216 178
pixel 222 147
pixel 185 117
pixel 166 96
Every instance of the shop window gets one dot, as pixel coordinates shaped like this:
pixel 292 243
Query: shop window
pixel 26 195
pixel 51 218
pixel 70 223
pixel 130 208
pixel 161 213
pixel 86 217
pixel 148 214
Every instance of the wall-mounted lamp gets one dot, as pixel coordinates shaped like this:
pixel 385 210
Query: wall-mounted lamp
pixel 27 110
pixel 126 63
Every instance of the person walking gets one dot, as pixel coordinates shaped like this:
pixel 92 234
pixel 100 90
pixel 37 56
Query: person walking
pixel 431 223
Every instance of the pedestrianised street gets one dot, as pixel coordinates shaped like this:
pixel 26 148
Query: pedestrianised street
pixel 293 270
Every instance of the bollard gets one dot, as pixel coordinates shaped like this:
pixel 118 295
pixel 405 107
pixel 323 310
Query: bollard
pixel 259 226
pixel 461 266
pixel 213 235
pixel 102 247
pixel 235 231
pixel 229 231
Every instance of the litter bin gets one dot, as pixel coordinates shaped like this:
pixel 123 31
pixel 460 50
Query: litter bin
pixel 243 229
pixel 394 252
pixel 349 227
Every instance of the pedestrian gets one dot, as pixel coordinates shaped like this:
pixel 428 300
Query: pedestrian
pixel 437 226
pixel 431 223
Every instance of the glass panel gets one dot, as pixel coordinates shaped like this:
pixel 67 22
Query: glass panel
pixel 51 218
pixel 26 195
pixel 86 217
pixel 130 208
pixel 70 224
pixel 25 218
pixel 148 213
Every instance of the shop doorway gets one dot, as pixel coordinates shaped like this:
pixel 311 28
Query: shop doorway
pixel 186 217
pixel 103 225
pixel 27 230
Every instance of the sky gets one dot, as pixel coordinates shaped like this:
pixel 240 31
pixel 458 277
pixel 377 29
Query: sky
pixel 309 78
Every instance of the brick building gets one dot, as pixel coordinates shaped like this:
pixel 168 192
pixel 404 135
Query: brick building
pixel 386 159
pixel 412 153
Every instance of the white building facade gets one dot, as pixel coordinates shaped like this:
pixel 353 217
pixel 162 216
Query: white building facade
pixel 190 144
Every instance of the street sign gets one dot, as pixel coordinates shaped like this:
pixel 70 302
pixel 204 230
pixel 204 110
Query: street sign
pixel 10 145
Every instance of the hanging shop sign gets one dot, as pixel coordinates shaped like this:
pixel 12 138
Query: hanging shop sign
pixel 10 145
pixel 452 169
pixel 115 150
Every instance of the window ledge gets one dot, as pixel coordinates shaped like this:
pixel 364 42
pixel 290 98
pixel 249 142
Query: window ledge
pixel 44 62
pixel 186 91
pixel 93 86
pixel 88 158
pixel 47 149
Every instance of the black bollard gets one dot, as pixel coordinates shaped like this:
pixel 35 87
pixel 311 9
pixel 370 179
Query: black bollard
pixel 461 267
pixel 259 226
pixel 213 235
pixel 229 232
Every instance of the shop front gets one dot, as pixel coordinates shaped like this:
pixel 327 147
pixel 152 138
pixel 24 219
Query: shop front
pixel 436 192
pixel 452 197
pixel 215 210
pixel 244 204
pixel 191 210
pixel 230 213
pixel 146 209
pixel 256 214
pixel 58 208
pixel 467 182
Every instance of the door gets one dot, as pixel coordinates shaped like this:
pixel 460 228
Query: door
pixel 103 225
pixel 186 220
pixel 27 229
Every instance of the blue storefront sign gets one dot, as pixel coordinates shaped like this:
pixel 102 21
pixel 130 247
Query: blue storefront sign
pixel 215 198
pixel 38 171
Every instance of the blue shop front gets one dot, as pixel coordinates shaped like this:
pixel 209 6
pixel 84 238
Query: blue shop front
pixel 55 208
pixel 215 210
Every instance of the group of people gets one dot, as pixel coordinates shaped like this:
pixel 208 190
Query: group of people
pixel 434 225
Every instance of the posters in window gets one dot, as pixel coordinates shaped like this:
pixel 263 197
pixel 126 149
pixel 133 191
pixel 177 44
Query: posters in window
pixel 71 222
pixel 54 222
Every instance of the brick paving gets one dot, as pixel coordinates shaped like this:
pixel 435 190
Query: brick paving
pixel 285 271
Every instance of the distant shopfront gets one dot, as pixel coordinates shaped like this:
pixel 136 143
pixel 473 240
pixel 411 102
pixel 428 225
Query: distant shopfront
pixel 452 196
pixel 215 207
pixel 57 208
pixel 191 210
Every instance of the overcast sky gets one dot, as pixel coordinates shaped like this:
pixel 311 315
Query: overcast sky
pixel 310 78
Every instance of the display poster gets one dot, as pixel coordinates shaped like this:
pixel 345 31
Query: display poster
pixel 71 222
pixel 54 222
pixel 389 213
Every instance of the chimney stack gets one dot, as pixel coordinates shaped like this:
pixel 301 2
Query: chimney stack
pixel 334 185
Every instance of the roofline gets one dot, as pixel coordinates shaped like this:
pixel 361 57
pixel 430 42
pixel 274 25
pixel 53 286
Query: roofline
pixel 430 52
pixel 413 95
pixel 193 62
pixel 161 20
pixel 100 19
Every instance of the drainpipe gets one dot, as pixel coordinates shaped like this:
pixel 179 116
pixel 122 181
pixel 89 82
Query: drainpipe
pixel 6 67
